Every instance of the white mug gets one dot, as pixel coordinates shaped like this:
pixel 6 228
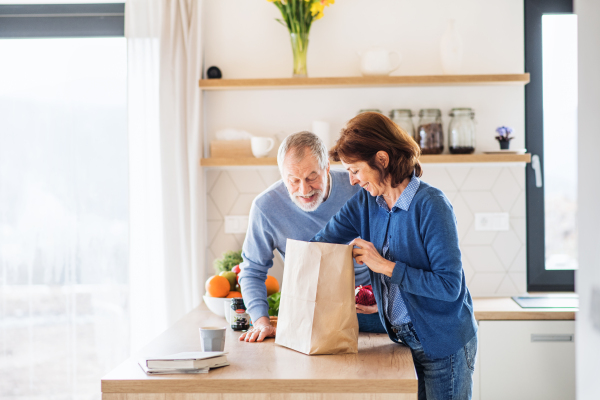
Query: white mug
pixel 261 145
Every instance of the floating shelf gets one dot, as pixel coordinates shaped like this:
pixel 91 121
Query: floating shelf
pixel 364 81
pixel 425 159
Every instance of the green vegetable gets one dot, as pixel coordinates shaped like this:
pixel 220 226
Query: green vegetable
pixel 230 259
pixel 273 301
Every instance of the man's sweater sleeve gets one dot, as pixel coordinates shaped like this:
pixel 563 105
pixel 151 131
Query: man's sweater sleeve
pixel 440 239
pixel 343 226
pixel 257 253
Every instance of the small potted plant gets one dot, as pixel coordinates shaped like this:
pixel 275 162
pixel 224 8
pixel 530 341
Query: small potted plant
pixel 504 137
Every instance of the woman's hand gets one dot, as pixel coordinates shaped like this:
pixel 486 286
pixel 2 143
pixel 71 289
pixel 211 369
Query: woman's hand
pixel 261 330
pixel 368 254
pixel 366 309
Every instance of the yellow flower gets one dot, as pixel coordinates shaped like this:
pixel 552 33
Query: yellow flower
pixel 327 2
pixel 316 10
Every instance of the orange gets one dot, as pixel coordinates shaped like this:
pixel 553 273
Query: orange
pixel 217 286
pixel 272 285
pixel 233 294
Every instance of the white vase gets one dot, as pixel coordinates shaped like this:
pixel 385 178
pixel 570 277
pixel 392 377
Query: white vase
pixel 451 50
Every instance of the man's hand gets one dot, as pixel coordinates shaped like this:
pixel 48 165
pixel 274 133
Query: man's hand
pixel 261 330
pixel 366 309
pixel 368 254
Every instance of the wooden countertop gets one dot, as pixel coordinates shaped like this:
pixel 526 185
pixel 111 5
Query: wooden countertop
pixel 379 367
pixel 505 308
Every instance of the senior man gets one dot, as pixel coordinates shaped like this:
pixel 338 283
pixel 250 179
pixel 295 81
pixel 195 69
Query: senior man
pixel 296 207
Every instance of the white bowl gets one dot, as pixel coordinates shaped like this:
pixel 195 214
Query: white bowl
pixel 216 304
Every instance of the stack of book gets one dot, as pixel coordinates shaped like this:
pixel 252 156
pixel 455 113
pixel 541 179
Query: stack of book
pixel 184 363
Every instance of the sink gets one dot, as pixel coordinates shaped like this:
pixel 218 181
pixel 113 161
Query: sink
pixel 548 301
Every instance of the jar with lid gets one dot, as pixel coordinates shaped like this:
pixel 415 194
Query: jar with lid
pixel 240 320
pixel 369 110
pixel 461 131
pixel 429 134
pixel 403 118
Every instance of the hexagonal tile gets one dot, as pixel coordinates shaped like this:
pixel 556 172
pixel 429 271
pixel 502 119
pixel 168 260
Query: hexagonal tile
pixel 269 175
pixel 211 177
pixel 242 204
pixel 474 237
pixel 458 174
pixel 468 270
pixel 518 208
pixel 483 259
pixel 247 181
pixel 507 245
pixel 224 193
pixel 506 190
pixel 485 283
pixel 519 174
pixel 507 287
pixel 481 202
pixel 519 264
pixel 212 228
pixel 224 242
pixel 481 178
pixel 520 281
pixel 518 226
pixel 438 177
pixel 464 217
pixel 212 212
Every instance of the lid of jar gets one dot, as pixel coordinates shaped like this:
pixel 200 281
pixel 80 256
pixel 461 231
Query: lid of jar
pixel 463 111
pixel 430 112
pixel 237 300
pixel 401 112
pixel 369 109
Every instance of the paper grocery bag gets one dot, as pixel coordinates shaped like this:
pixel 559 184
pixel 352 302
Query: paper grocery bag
pixel 317 313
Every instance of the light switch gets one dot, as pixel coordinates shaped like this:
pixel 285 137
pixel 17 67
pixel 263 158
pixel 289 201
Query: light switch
pixel 236 223
pixel 491 222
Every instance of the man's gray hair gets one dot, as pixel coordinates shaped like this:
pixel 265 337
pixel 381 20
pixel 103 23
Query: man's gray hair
pixel 299 142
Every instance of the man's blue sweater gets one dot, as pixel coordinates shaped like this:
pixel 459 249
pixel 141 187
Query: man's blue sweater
pixel 423 242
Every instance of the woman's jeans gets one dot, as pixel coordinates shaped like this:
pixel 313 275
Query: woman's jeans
pixel 446 378
pixel 370 323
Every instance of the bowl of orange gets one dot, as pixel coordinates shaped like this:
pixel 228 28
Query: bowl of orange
pixel 218 291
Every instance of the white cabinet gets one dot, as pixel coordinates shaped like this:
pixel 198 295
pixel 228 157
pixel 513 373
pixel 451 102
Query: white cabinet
pixel 525 360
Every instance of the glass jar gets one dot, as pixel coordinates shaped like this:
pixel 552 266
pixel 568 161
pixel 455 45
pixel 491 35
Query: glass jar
pixel 429 134
pixel 461 131
pixel 403 118
pixel 240 320
pixel 369 109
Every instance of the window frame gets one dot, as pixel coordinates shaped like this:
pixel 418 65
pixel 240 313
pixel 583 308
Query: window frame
pixel 62 20
pixel 538 278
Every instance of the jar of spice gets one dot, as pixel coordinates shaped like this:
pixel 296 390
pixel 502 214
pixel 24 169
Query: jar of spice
pixel 461 131
pixel 403 118
pixel 240 320
pixel 429 134
pixel 369 110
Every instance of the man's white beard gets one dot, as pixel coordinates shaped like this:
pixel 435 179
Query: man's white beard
pixel 313 205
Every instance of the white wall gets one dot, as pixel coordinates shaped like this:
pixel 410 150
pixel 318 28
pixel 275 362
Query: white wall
pixel 588 275
pixel 244 41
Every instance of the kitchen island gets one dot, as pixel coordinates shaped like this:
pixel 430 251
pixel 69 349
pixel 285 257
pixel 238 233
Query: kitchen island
pixel 381 369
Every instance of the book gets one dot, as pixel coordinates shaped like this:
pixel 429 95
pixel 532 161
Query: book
pixel 188 360
pixel 167 371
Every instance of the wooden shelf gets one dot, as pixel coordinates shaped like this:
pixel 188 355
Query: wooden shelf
pixel 425 159
pixel 364 81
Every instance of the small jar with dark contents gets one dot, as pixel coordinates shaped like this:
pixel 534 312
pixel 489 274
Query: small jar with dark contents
pixel 240 320
pixel 429 134
pixel 461 131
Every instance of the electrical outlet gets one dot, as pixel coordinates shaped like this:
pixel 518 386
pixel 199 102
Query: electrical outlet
pixel 491 222
pixel 236 223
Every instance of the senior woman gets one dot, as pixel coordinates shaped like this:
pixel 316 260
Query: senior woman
pixel 404 230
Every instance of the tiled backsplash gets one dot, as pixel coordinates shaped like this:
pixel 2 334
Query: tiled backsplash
pixel 494 262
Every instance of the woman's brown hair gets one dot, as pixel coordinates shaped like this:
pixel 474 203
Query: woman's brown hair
pixel 370 132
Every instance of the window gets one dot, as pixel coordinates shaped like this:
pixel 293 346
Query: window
pixel 63 199
pixel 551 125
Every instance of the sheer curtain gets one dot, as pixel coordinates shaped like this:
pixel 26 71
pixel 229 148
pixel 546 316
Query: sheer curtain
pixel 166 203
